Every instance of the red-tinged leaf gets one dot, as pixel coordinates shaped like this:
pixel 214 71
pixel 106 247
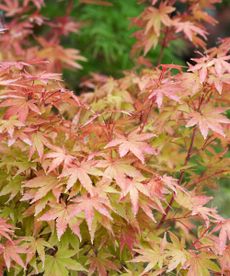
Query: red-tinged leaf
pixel 132 187
pixel 40 186
pixel 134 143
pixel 224 235
pixel 172 184
pixel 6 229
pixel 63 214
pixel 10 125
pixel 167 88
pixel 56 53
pixel 58 157
pixel 43 77
pixel 19 107
pixel 208 119
pixel 101 263
pixel 128 237
pixel 12 249
pixel 202 66
pixel 11 7
pixel 201 264
pixel 8 82
pixel 80 172
pixel 117 167
pixel 225 261
pixel 38 140
pixel 90 204
pixel 37 3
pixel 189 29
pixel 155 17
pixel 205 212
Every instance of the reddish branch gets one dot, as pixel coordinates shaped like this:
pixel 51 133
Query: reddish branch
pixel 189 153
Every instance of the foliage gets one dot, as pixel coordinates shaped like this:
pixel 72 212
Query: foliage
pixel 112 182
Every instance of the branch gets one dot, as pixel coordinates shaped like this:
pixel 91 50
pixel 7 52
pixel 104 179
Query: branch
pixel 180 179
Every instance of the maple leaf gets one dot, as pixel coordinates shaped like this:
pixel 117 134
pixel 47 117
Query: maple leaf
pixel 201 264
pixel 44 77
pixel 218 81
pixel 11 252
pixel 37 142
pixel 19 107
pixel 6 229
pixel 132 187
pixel 37 3
pixel 127 236
pixel 63 214
pixel 81 172
pixel 155 17
pixel 168 88
pixel 172 183
pixel 208 119
pixel 113 168
pixel 189 29
pixel 152 256
pixel 205 212
pixel 10 125
pixel 12 188
pixel 225 261
pixel 90 204
pixel 176 252
pixel 217 67
pixel 59 156
pixel 8 82
pixel 56 53
pixel 36 246
pixel 151 21
pixel 62 263
pixel 11 7
pixel 224 235
pixel 101 263
pixel 41 186
pixel 134 143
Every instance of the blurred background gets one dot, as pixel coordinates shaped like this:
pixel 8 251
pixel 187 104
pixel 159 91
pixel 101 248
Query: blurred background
pixel 105 35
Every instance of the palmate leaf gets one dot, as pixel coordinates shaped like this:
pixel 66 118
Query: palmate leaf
pixel 208 119
pixel 201 264
pixel 152 256
pixel 176 252
pixel 89 205
pixel 64 216
pixel 62 263
pixel 101 264
pixel 11 253
pixel 58 157
pixel 40 186
pixel 167 88
pixel 81 172
pixel 36 246
pixel 114 168
pixel 133 187
pixel 6 229
pixel 224 234
pixel 134 143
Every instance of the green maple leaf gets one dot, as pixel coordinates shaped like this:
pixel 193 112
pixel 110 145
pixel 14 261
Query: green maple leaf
pixel 61 263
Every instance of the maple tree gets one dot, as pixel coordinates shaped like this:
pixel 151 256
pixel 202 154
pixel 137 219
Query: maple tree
pixel 105 183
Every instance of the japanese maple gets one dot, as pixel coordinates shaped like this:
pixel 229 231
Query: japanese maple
pixel 105 183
